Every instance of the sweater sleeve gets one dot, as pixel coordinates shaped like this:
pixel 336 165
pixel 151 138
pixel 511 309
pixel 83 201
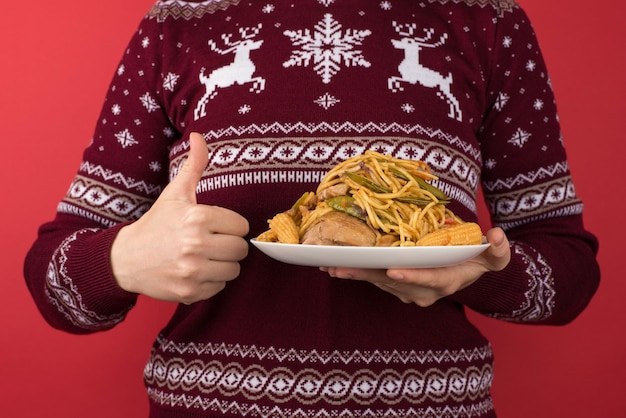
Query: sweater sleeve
pixel 122 172
pixel 529 190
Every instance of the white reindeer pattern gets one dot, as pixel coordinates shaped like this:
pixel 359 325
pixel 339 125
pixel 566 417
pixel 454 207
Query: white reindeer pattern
pixel 239 71
pixel 412 71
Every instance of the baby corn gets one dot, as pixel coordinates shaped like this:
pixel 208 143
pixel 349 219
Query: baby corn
pixel 468 233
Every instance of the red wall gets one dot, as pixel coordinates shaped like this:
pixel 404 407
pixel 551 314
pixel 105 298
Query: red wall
pixel 57 60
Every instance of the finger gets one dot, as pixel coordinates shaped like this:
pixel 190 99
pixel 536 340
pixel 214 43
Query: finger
pixel 220 247
pixel 183 186
pixel 217 220
pixel 498 254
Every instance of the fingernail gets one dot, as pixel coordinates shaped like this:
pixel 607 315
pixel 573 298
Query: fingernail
pixel 395 275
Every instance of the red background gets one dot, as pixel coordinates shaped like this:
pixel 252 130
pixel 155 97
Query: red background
pixel 57 60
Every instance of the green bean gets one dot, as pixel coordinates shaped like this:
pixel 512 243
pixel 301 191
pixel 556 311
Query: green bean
pixel 365 182
pixel 347 204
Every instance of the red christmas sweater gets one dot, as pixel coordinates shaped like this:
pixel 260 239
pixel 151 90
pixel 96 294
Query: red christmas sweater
pixel 282 91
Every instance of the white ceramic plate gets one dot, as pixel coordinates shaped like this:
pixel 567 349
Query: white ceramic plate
pixel 369 257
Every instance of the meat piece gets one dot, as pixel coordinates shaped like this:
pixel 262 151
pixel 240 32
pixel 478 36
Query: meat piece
pixel 339 189
pixel 338 228
pixel 386 240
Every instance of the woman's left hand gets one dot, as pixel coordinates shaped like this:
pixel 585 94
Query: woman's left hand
pixel 426 286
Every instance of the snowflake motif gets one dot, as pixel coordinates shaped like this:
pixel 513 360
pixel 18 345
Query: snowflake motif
pixel 116 109
pixel 149 103
pixel 556 194
pixel 385 5
pixel 145 42
pixel 168 132
pixel 125 138
pixel 531 65
pixel 328 46
pixel 490 164
pixel 95 197
pixel 326 2
pixel 287 152
pixel 225 155
pixel 407 108
pixel 170 81
pixel 319 152
pixel 520 138
pixel 121 69
pixel 122 206
pixel 411 153
pixel 501 101
pixel 507 42
pixel 244 109
pixel 538 105
pixel 326 101
pixel 350 152
pixel 155 166
pixel 268 8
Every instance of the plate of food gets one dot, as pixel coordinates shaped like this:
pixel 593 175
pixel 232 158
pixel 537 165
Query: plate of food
pixel 372 211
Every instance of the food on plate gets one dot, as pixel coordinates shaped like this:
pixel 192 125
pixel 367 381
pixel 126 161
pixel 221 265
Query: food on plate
pixel 373 200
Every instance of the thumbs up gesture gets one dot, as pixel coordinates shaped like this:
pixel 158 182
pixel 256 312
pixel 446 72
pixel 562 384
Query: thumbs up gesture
pixel 179 250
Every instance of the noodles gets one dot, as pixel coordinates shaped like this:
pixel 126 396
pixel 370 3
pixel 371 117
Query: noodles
pixel 391 195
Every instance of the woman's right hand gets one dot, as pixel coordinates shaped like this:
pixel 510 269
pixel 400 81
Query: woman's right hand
pixel 179 250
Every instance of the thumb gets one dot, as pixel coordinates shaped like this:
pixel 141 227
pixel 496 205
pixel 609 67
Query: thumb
pixel 183 186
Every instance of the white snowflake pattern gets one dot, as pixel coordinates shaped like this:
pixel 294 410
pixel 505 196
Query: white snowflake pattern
pixel 268 8
pixel 326 2
pixel 244 109
pixel 520 138
pixel 145 42
pixel 385 5
pixel 155 166
pixel 170 81
pixel 121 69
pixel 408 108
pixel 538 105
pixel 490 164
pixel 168 132
pixel 531 65
pixel 125 138
pixel 507 42
pixel 116 109
pixel 328 47
pixel 149 103
pixel 326 101
pixel 501 101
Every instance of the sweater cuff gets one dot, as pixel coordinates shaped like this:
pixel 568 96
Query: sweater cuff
pixel 89 266
pixel 496 292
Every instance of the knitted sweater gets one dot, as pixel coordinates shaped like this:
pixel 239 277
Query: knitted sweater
pixel 282 91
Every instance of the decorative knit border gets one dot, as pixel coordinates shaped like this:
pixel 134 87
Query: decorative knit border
pixel 63 294
pixel 187 10
pixel 281 354
pixel 540 297
pixel 227 379
pixel 103 200
pixel 234 408
pixel 218 381
pixel 248 161
pixel 500 6
pixel 540 201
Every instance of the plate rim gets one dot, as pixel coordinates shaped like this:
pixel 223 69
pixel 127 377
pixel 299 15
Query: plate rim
pixel 468 252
